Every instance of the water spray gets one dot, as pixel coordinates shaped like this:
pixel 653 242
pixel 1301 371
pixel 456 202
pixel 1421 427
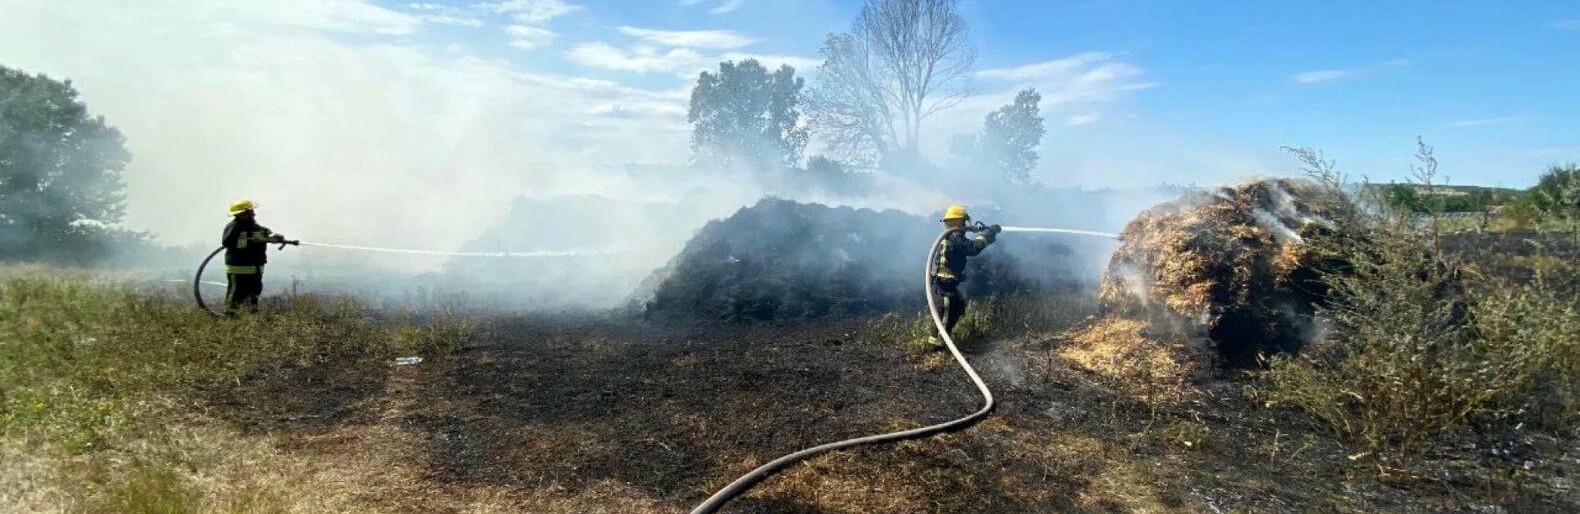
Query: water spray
pixel 1061 231
pixel 576 253
pixel 198 282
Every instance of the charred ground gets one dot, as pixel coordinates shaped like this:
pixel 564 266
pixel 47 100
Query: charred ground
pixel 614 415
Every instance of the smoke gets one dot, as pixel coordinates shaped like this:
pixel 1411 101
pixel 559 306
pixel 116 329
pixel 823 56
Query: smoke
pixel 349 125
pixel 336 137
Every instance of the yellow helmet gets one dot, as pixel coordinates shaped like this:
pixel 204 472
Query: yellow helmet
pixel 956 212
pixel 240 206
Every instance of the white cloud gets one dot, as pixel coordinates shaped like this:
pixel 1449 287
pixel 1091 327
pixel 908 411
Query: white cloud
pixel 727 6
pixel 723 39
pixel 1087 77
pixel 534 11
pixel 1056 67
pixel 1076 91
pixel 528 37
pixel 1320 76
pixel 722 7
pixel 609 57
pixel 349 16
pixel 528 31
pixel 440 14
pixel 1324 76
pixel 1477 122
pixel 684 62
pixel 1082 119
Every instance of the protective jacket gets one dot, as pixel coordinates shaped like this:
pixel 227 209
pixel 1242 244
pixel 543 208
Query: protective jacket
pixel 956 248
pixel 245 242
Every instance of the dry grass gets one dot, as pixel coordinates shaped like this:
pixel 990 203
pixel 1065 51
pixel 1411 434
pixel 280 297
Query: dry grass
pixel 1125 352
pixel 101 385
pixel 1024 316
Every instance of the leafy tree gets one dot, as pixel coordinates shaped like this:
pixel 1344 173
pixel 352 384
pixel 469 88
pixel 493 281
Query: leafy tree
pixel 744 115
pixel 1557 195
pixel 1558 191
pixel 60 169
pixel 902 61
pixel 1010 136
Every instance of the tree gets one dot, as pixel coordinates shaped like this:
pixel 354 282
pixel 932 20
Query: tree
pixel 1557 194
pixel 902 61
pixel 60 169
pixel 1010 137
pixel 745 116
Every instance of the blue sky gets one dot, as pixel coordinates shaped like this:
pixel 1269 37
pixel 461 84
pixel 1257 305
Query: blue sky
pixel 311 101
pixel 1489 83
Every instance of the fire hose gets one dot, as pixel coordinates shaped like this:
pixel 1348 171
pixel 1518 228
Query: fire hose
pixel 747 481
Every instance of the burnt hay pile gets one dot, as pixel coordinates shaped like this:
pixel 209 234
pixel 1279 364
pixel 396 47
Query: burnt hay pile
pixel 1242 264
pixel 783 260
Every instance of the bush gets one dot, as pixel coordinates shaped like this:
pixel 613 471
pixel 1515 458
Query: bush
pixel 1406 357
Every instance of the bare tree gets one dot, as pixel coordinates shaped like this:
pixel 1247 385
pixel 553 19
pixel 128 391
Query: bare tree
pixel 902 61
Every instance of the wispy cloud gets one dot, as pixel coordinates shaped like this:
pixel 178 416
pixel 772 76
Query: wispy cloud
pixel 346 16
pixel 529 37
pixel 1320 76
pixel 1477 122
pixel 533 11
pixel 721 39
pixel 1092 76
pixel 1082 119
pixel 1569 24
pixel 527 31
pixel 441 14
pixel 679 61
pixel 721 7
pixel 727 6
pixel 1333 75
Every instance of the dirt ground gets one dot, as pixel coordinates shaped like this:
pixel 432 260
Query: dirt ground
pixel 613 416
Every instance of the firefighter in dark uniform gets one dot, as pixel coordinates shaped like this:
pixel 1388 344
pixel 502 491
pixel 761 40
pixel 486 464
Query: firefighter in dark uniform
pixel 950 267
pixel 245 242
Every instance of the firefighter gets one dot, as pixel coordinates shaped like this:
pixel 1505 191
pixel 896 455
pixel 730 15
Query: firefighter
pixel 950 266
pixel 245 242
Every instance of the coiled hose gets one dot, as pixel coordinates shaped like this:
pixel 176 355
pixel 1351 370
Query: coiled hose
pixel 197 283
pixel 745 482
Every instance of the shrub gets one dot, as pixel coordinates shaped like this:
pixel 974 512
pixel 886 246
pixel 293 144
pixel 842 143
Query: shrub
pixel 1407 357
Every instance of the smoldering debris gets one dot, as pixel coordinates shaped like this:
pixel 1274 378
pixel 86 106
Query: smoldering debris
pixel 1242 264
pixel 783 260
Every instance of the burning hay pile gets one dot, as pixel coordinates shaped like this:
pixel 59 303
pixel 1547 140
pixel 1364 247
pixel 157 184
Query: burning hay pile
pixel 782 260
pixel 1242 264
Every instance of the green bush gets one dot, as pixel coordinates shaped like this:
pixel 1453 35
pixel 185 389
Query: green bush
pixel 1408 355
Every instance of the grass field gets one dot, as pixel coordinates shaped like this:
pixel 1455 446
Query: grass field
pixel 121 397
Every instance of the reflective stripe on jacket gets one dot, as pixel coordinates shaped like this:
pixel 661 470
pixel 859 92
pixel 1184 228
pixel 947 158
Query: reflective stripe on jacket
pixel 953 252
pixel 245 242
